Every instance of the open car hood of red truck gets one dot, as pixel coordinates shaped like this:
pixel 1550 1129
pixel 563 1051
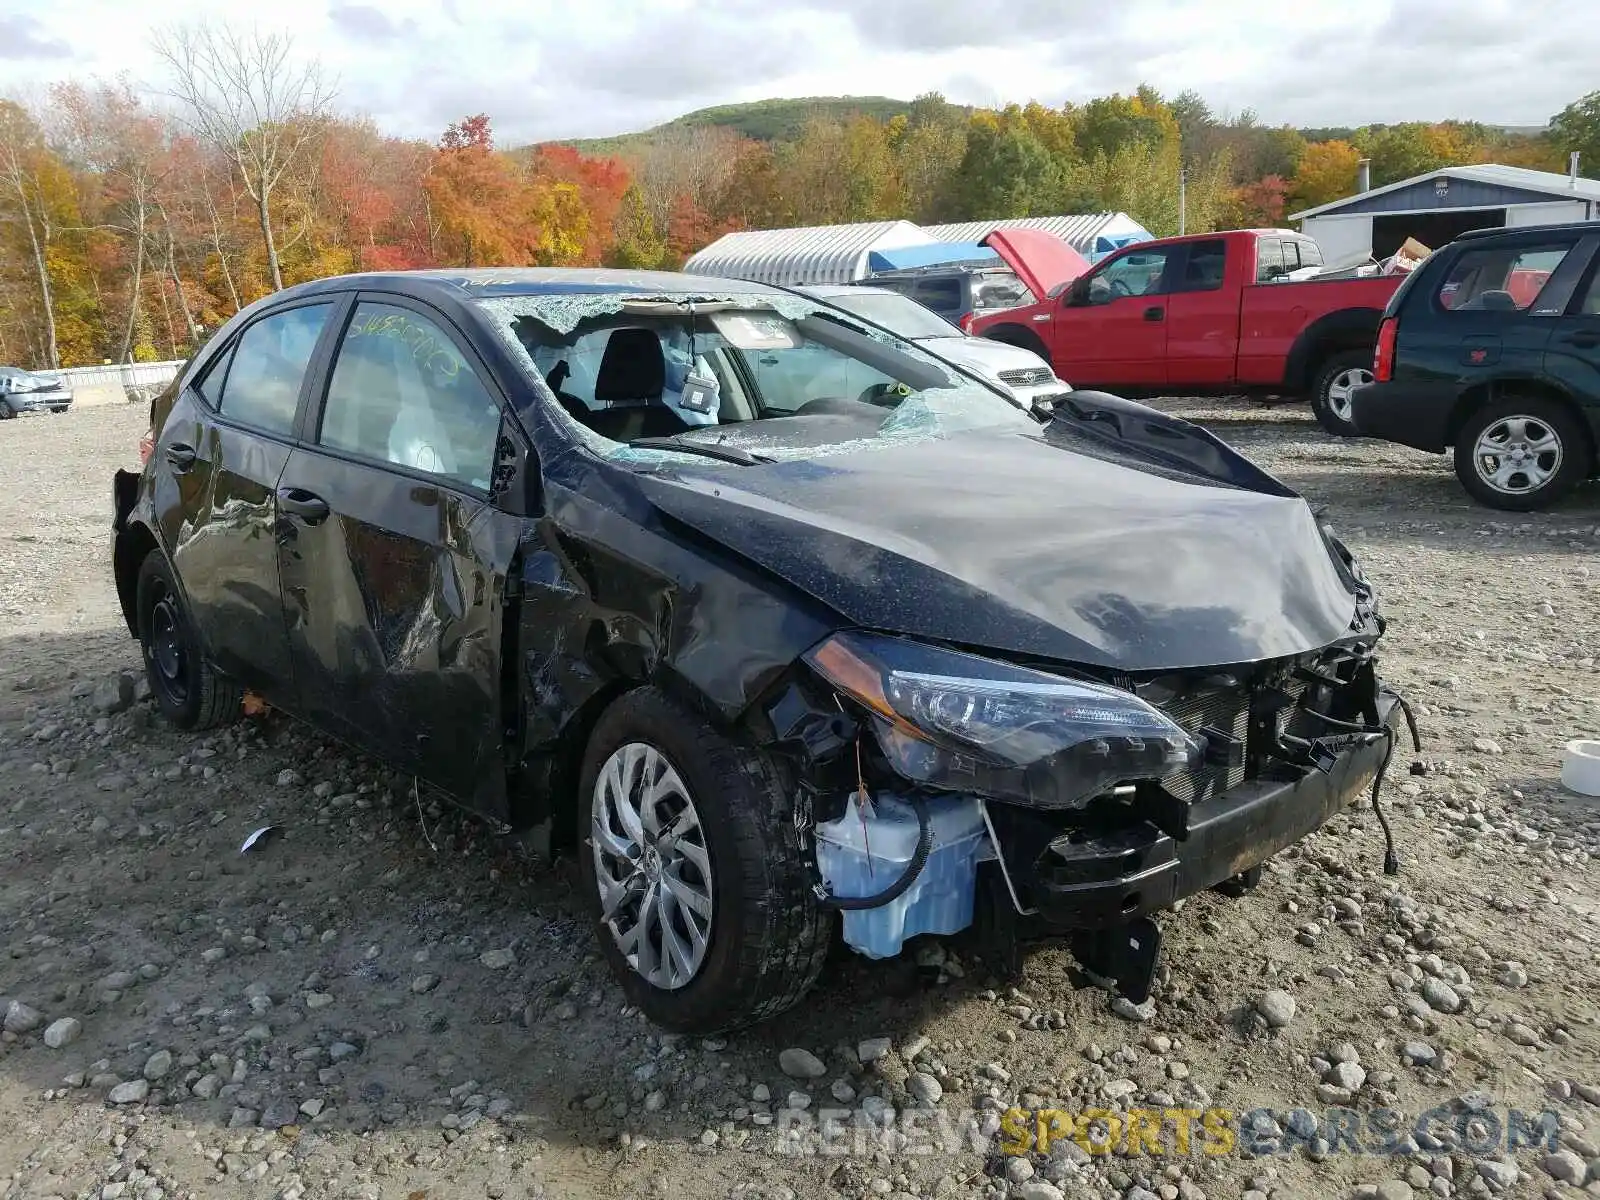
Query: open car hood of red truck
pixel 1041 260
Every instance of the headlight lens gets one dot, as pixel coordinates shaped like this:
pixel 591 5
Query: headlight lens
pixel 964 723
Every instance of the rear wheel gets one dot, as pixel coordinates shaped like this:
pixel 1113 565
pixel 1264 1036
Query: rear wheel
pixel 1334 389
pixel 695 871
pixel 1521 454
pixel 186 687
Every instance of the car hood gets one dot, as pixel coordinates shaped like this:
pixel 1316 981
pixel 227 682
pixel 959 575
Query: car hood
pixel 986 357
pixel 1041 260
pixel 1033 544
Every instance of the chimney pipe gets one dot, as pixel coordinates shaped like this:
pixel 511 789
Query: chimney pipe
pixel 1364 175
pixel 1572 170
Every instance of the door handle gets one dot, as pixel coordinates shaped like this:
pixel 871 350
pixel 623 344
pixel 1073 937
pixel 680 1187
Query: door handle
pixel 303 504
pixel 180 457
pixel 1155 313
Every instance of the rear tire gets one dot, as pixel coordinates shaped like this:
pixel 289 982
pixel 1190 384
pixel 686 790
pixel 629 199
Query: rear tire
pixel 763 937
pixel 186 687
pixel 1330 394
pixel 1556 453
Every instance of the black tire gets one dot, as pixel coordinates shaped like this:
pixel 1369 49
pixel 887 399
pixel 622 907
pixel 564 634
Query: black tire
pixel 1573 459
pixel 768 936
pixel 186 687
pixel 1329 391
pixel 7 413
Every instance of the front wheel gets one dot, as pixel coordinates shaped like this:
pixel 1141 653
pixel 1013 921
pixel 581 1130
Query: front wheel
pixel 1332 395
pixel 695 871
pixel 1519 455
pixel 186 687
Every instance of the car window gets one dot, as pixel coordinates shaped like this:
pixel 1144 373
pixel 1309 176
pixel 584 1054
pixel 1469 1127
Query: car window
pixel 403 393
pixel 262 387
pixel 898 314
pixel 1591 299
pixel 210 384
pixel 1310 253
pixel 941 295
pixel 999 289
pixel 1270 264
pixel 1203 270
pixel 1499 279
pixel 1135 274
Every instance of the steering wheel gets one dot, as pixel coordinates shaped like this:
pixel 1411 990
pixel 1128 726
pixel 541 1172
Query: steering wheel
pixel 884 395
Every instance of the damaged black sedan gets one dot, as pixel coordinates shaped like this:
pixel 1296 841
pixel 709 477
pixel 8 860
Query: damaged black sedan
pixel 790 629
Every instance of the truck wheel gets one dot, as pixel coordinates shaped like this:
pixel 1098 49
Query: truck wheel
pixel 1337 380
pixel 186 687
pixel 1522 453
pixel 1024 339
pixel 696 874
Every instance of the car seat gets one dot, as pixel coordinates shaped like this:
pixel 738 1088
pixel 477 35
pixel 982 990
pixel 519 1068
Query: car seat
pixel 631 380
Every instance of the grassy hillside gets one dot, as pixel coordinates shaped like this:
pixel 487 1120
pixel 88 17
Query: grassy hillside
pixel 763 120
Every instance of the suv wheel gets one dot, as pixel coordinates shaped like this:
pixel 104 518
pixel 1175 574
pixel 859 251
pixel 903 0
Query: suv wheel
pixel 1521 454
pixel 697 877
pixel 186 687
pixel 1336 383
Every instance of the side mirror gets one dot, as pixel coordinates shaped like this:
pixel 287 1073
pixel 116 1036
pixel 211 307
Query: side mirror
pixel 1078 292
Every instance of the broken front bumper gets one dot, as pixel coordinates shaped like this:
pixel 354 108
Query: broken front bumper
pixel 1096 880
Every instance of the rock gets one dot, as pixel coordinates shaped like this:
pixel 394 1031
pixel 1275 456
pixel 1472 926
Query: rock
pixel 424 983
pixel 497 960
pixel 1566 1166
pixel 114 695
pixel 340 1051
pixel 1487 746
pixel 842 1091
pixel 1419 1053
pixel 1441 997
pixel 207 1086
pixel 925 1088
pixel 1018 1169
pixel 1498 1172
pixel 655 1101
pixel 1521 1034
pixel 1347 1075
pixel 761 1093
pixel 312 1109
pixel 1116 1089
pixel 872 1049
pixel 20 1018
pixel 316 1000
pixel 118 981
pixel 1393 1189
pixel 798 1063
pixel 158 1065
pixel 1038 1189
pixel 1276 1007
pixel 62 1032
pixel 797 1101
pixel 1129 1011
pixel 242 1118
pixel 1511 974
pixel 132 1092
pixel 279 1114
pixel 288 778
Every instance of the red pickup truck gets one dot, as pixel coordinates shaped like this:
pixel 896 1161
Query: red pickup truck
pixel 1215 312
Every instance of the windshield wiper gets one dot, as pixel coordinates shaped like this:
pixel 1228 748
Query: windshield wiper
pixel 715 450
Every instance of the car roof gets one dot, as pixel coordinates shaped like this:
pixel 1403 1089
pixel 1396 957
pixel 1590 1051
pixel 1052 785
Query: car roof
pixel 1515 231
pixel 472 283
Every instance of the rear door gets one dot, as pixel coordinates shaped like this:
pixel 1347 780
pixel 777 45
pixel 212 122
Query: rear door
pixel 1114 330
pixel 391 554
pixel 1202 317
pixel 1572 356
pixel 1497 310
pixel 215 473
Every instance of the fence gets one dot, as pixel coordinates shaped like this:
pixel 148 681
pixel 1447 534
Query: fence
pixel 120 375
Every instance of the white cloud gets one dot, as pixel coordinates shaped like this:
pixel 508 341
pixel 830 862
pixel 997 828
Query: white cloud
pixel 548 68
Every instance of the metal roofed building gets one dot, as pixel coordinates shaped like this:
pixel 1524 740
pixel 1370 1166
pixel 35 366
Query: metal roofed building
pixel 1090 234
pixel 1439 206
pixel 812 254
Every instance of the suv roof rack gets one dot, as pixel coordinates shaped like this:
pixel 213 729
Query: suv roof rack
pixel 1473 235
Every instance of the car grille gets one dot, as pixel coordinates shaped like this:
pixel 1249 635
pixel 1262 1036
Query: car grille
pixel 1027 376
pixel 1227 710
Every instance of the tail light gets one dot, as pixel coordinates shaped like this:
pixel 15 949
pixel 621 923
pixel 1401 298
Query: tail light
pixel 965 322
pixel 1383 359
pixel 147 446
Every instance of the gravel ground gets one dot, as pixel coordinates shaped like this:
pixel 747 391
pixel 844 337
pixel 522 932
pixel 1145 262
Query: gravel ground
pixel 390 1001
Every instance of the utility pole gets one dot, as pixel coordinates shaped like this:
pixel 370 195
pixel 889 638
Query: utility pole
pixel 1183 198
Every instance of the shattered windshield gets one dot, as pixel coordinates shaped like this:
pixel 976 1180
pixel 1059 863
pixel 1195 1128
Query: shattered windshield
pixel 753 377
pixel 897 313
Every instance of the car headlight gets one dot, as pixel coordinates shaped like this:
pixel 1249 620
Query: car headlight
pixel 959 722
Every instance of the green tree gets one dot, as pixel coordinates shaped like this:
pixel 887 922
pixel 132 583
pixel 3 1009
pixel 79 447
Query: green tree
pixel 1107 124
pixel 1416 147
pixel 1577 127
pixel 1005 171
pixel 639 245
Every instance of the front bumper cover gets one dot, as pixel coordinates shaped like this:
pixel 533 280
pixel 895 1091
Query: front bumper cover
pixel 1101 880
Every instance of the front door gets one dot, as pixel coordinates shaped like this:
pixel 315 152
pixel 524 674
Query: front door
pixel 216 468
pixel 393 559
pixel 1115 332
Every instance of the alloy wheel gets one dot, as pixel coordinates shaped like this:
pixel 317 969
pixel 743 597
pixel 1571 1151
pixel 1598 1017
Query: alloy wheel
pixel 1517 455
pixel 652 866
pixel 1341 391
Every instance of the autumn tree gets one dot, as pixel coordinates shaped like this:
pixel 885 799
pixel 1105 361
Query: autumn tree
pixel 1416 148
pixel 927 144
pixel 35 200
pixel 473 191
pixel 248 97
pixel 636 242
pixel 1327 172
pixel 1259 205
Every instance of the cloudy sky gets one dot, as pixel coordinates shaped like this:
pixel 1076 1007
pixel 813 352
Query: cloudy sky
pixel 555 68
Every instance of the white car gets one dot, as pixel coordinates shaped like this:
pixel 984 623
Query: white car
pixel 25 392
pixel 1020 372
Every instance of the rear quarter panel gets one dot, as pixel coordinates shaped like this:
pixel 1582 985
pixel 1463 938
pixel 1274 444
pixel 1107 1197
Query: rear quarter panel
pixel 1274 315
